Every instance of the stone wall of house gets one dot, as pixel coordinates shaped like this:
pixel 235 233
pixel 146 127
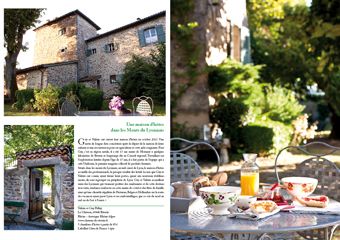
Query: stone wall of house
pixel 60 75
pixel 22 81
pixel 35 79
pixel 112 63
pixel 85 31
pixel 192 107
pixel 218 37
pixel 16 188
pixel 67 195
pixel 48 42
pixel 92 84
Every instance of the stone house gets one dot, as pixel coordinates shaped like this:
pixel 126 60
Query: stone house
pixel 69 49
pixel 222 32
pixel 24 183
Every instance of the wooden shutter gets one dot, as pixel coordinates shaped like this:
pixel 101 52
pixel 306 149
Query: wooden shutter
pixel 88 52
pixel 160 33
pixel 119 77
pixel 106 48
pixel 246 49
pixel 237 43
pixel 141 38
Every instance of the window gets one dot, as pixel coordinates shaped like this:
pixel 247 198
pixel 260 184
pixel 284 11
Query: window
pixel 37 184
pixel 63 49
pixel 62 31
pixel 113 79
pixel 110 47
pixel 116 78
pixel 150 35
pixel 91 51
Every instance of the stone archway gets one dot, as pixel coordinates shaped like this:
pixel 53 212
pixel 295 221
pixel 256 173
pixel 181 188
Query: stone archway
pixel 57 158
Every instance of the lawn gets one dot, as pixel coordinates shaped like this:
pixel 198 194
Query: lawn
pixel 159 110
pixel 9 111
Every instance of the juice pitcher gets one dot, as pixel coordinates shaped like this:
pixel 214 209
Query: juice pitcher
pixel 250 179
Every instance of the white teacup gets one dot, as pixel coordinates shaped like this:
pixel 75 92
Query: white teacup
pixel 244 201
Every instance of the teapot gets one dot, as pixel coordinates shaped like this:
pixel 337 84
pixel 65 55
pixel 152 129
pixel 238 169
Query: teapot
pixel 183 190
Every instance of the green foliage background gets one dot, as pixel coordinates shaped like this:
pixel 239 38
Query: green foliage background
pixel 145 76
pixel 19 138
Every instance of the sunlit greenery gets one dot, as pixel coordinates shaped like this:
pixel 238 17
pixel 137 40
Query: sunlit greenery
pixel 27 137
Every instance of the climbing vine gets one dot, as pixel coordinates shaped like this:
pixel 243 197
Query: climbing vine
pixel 182 30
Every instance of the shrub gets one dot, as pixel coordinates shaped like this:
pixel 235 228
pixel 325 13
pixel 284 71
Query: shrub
pixel 91 98
pixel 282 133
pixel 184 131
pixel 258 139
pixel 71 87
pixel 24 97
pixel 282 105
pixel 46 100
pixel 228 115
pixel 145 76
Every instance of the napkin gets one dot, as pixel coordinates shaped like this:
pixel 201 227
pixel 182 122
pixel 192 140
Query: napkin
pixel 236 212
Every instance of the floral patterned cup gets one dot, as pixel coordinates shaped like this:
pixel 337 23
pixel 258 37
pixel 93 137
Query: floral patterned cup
pixel 220 198
pixel 300 186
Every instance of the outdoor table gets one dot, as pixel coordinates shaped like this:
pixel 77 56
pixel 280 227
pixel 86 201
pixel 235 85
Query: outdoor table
pixel 228 228
pixel 104 113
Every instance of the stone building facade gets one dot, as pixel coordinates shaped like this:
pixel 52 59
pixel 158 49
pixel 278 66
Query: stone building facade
pixel 17 183
pixel 70 46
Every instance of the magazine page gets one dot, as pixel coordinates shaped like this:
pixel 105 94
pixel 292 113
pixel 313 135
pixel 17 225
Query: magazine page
pixel 86 123
pixel 170 119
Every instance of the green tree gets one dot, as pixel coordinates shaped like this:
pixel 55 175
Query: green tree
pixel 16 23
pixel 146 76
pixel 19 138
pixel 299 47
pixel 324 30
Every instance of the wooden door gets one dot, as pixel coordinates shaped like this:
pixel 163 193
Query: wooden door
pixel 36 194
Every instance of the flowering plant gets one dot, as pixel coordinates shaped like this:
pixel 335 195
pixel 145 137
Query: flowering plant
pixel 116 103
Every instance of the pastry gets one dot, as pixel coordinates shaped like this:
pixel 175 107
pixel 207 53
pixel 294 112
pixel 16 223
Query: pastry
pixel 220 178
pixel 315 201
pixel 263 206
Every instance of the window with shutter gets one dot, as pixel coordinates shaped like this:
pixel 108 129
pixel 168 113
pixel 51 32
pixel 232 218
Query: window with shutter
pixel 150 35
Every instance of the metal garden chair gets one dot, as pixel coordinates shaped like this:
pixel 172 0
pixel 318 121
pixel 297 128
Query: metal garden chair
pixel 143 105
pixel 69 107
pixel 327 173
pixel 183 166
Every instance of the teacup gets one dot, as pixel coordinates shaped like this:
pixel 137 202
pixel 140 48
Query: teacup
pixel 244 201
pixel 300 186
pixel 220 198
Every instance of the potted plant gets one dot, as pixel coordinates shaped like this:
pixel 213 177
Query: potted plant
pixel 117 105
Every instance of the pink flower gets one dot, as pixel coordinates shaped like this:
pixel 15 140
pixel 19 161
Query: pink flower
pixel 116 103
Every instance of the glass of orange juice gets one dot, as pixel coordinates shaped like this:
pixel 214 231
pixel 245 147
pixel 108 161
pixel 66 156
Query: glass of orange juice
pixel 250 176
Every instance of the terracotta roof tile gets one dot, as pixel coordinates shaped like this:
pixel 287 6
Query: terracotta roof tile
pixel 44 152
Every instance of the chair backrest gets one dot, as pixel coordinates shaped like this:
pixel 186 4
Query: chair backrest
pixel 317 166
pixel 143 105
pixel 69 107
pixel 184 167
